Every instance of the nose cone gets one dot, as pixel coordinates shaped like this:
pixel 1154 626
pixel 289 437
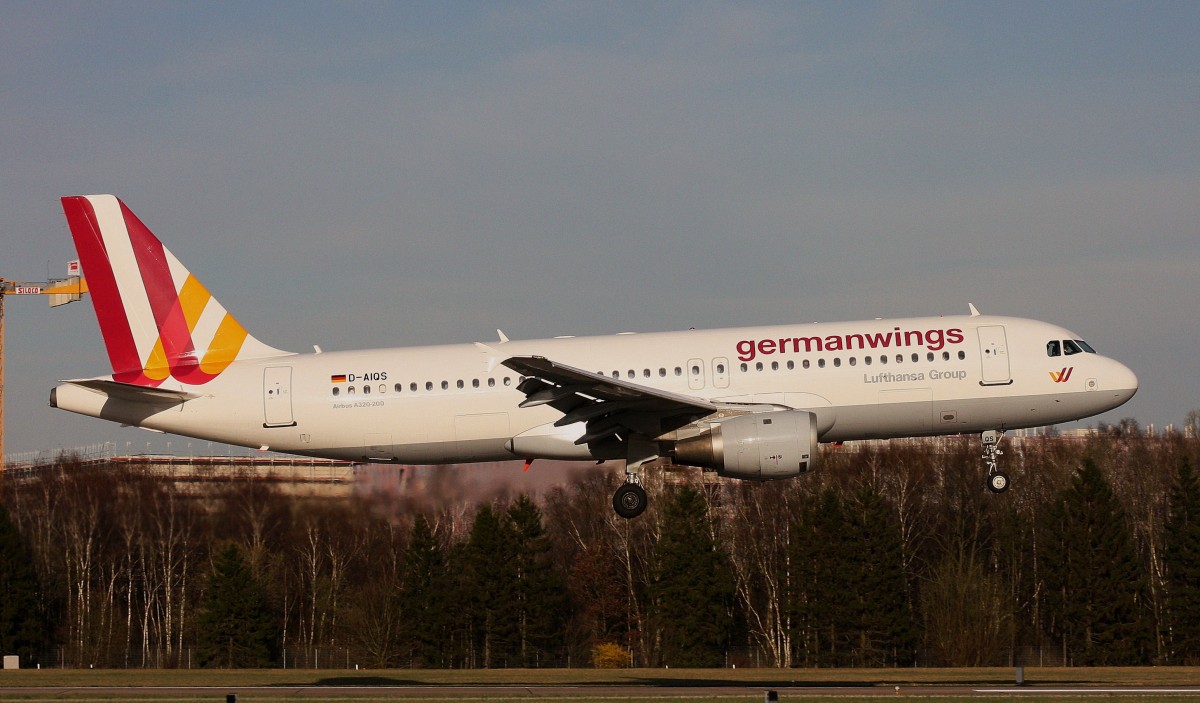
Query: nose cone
pixel 1122 382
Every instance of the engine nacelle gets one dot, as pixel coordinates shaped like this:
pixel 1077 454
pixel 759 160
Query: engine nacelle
pixel 756 446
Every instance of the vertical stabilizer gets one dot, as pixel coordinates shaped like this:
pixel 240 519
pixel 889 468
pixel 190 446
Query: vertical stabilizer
pixel 157 319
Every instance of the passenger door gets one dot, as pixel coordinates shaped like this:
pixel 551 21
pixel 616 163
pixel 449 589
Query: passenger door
pixel 993 354
pixel 277 397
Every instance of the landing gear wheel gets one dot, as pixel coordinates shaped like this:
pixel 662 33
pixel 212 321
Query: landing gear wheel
pixel 998 482
pixel 630 500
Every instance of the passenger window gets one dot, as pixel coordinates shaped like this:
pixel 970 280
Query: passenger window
pixel 646 373
pixel 337 391
pixel 696 370
pixel 837 361
pixel 820 363
pixel 962 355
pixel 399 387
pixel 474 382
pixel 774 365
pixel 899 358
pixel 445 385
pixel 806 363
pixel 662 373
pixel 1052 348
pixel 350 390
pixel 758 366
pixel 929 356
pixel 507 381
pixel 867 360
pixel 720 368
pixel 632 373
pixel 745 368
pixel 678 371
pixel 791 365
pixel 916 357
pixel 366 390
pixel 413 386
pixel 853 361
pixel 460 384
pixel 429 385
pixel 1070 348
pixel 945 356
pixel 883 358
pixel 491 383
pixel 383 388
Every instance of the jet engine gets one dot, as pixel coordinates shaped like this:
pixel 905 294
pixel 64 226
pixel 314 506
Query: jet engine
pixel 760 446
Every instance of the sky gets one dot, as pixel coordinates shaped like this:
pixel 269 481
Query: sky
pixel 367 174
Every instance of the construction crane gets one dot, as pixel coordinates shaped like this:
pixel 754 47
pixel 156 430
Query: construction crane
pixel 60 292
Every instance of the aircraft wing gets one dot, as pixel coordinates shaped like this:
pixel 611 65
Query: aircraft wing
pixel 613 409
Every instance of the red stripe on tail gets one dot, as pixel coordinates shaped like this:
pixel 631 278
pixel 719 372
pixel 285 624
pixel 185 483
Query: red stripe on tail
pixel 106 296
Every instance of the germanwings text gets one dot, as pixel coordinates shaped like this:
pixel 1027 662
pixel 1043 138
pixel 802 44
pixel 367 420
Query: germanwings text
pixel 934 340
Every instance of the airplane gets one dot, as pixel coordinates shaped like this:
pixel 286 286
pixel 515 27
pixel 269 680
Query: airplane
pixel 749 403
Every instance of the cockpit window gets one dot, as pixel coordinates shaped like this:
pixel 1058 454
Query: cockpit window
pixel 1086 347
pixel 1070 347
pixel 1053 348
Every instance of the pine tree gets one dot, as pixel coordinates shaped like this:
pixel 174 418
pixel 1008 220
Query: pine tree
pixel 423 597
pixel 693 586
pixel 821 560
pixel 236 626
pixel 1182 558
pixel 883 623
pixel 541 589
pixel 490 588
pixel 852 603
pixel 1095 582
pixel 21 628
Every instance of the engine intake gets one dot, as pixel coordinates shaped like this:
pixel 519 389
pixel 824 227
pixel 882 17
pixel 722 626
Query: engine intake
pixel 757 446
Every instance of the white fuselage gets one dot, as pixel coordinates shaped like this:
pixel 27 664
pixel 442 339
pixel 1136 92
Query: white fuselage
pixel 458 403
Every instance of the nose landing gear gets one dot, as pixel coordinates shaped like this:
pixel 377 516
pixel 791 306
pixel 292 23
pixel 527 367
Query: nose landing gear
pixel 997 480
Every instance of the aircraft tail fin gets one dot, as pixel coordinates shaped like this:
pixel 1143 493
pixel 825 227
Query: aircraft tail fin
pixel 158 321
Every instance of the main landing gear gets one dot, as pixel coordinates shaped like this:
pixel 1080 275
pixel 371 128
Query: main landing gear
pixel 997 480
pixel 630 499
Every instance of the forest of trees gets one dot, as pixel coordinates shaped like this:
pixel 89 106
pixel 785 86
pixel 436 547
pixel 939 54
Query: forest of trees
pixel 893 554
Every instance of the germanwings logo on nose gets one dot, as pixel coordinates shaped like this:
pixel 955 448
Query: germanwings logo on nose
pixel 1062 376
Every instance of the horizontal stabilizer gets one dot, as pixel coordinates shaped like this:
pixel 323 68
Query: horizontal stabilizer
pixel 134 394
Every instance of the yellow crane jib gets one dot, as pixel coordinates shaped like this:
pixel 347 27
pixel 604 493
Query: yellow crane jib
pixel 59 292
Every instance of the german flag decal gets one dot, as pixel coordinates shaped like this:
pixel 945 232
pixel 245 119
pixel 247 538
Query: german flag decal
pixel 338 378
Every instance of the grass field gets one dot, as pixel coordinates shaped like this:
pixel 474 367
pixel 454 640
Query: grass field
pixel 651 684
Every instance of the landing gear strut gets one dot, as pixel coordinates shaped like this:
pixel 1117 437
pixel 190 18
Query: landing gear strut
pixel 997 480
